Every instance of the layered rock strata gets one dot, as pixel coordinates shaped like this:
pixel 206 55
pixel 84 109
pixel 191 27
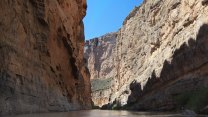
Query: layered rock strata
pixel 99 55
pixel 41 56
pixel 161 57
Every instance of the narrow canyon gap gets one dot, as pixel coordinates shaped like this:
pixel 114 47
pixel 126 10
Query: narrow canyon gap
pixel 156 61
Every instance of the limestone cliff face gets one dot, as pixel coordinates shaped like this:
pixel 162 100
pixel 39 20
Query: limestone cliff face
pixel 41 56
pixel 99 55
pixel 161 57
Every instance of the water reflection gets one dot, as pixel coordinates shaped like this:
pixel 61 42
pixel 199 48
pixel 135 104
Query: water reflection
pixel 103 113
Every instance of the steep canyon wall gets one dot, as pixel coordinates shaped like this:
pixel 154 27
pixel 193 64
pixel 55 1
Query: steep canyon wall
pixel 162 54
pixel 41 56
pixel 161 57
pixel 99 54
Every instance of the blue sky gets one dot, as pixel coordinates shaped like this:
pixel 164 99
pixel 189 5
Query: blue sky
pixel 104 16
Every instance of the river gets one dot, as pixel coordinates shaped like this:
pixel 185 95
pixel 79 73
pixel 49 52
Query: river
pixel 103 113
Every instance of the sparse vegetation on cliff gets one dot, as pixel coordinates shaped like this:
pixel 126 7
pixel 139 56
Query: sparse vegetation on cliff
pixel 101 84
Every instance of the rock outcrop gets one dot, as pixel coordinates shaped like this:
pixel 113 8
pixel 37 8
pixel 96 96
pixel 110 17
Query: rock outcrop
pixel 99 54
pixel 41 56
pixel 161 57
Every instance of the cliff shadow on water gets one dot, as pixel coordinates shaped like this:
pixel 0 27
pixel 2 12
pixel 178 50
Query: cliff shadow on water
pixel 182 83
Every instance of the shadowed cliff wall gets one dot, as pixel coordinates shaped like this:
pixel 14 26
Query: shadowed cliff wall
pixel 41 56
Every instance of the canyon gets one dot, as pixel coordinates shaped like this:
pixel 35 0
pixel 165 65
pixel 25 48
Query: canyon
pixel 42 67
pixel 99 57
pixel 157 60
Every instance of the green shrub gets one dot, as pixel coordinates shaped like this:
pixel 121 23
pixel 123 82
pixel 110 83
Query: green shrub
pixel 101 84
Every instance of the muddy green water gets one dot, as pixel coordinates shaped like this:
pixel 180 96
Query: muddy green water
pixel 103 113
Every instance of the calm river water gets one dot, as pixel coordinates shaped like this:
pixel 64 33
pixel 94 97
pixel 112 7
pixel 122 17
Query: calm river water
pixel 103 113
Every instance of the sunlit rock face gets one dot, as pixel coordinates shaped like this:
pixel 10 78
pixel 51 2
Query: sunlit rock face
pixel 162 55
pixel 99 54
pixel 41 56
pixel 160 58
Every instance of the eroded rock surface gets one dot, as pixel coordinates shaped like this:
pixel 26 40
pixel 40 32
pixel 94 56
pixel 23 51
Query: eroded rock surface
pixel 99 55
pixel 41 56
pixel 161 57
